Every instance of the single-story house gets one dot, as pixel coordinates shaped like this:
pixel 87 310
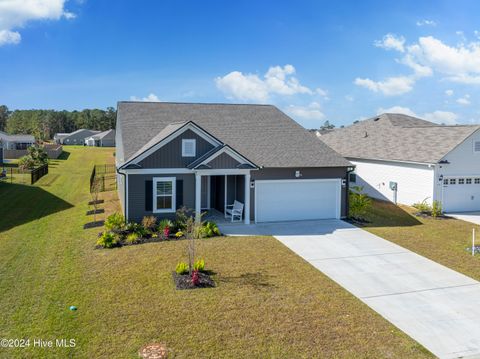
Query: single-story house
pixel 407 160
pixel 16 142
pixel 75 138
pixel 102 139
pixel 207 156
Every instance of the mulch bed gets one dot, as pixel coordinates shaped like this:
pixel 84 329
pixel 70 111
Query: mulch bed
pixel 93 224
pixel 355 220
pixel 93 211
pixel 429 215
pixel 184 281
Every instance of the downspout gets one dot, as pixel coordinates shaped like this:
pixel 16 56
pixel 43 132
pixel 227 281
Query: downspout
pixel 124 193
pixel 347 187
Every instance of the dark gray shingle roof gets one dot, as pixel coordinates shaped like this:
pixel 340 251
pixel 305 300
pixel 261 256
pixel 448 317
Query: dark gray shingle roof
pixel 261 133
pixel 397 137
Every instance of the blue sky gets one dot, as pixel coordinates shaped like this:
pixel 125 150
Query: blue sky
pixel 316 60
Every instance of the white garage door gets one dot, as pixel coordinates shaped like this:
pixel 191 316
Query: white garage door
pixel 461 194
pixel 290 200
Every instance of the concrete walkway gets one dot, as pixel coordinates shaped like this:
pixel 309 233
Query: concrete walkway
pixel 472 217
pixel 438 307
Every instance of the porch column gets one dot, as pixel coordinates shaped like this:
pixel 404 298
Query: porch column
pixel 247 199
pixel 198 197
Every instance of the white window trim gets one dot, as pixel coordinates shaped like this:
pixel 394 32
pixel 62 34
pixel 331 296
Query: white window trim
pixel 184 142
pixel 174 189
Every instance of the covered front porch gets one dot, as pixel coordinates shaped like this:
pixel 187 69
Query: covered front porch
pixel 216 189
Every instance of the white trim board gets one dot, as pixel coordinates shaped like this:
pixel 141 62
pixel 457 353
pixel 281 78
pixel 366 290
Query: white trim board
pixel 229 151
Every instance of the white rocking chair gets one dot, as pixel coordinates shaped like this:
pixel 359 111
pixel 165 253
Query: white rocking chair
pixel 234 210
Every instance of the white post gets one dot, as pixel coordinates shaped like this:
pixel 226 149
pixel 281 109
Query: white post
pixel 225 199
pixel 198 197
pixel 247 199
pixel 473 241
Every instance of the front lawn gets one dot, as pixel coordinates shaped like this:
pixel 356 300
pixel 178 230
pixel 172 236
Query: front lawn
pixel 442 240
pixel 268 302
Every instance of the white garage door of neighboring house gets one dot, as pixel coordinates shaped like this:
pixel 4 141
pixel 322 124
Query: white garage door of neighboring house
pixel 461 194
pixel 289 200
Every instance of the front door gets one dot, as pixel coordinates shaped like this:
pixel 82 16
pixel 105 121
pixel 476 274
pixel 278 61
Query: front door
pixel 205 192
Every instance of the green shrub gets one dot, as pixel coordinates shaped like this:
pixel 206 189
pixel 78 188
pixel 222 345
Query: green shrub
pixel 181 217
pixel 134 227
pixel 115 222
pixel 199 265
pixel 149 222
pixel 210 229
pixel 182 268
pixel 132 238
pixel 107 240
pixel 164 223
pixel 359 203
pixel 436 209
pixel 423 206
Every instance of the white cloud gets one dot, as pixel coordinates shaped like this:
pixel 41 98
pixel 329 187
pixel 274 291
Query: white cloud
pixel 391 86
pixel 459 63
pixel 426 22
pixel 310 112
pixel 419 70
pixel 397 109
pixel 150 98
pixel 322 92
pixel 465 100
pixel 9 37
pixel 449 92
pixel 442 117
pixel 349 98
pixel 277 80
pixel 391 42
pixel 15 14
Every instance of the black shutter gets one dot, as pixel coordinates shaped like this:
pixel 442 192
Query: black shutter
pixel 148 196
pixel 179 194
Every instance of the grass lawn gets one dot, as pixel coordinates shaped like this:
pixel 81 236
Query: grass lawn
pixel 268 303
pixel 442 240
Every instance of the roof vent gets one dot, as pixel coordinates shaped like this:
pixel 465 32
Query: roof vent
pixel 376 119
pixel 366 134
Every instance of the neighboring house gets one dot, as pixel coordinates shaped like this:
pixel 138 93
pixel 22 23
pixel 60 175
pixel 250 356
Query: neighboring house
pixel 102 139
pixel 206 156
pixel 407 160
pixel 75 138
pixel 16 142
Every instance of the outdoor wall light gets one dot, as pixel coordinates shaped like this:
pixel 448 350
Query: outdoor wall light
pixel 252 183
pixel 298 174
pixel 440 178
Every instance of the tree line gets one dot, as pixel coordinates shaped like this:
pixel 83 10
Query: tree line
pixel 44 124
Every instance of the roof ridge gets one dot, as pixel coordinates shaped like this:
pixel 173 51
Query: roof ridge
pixel 197 103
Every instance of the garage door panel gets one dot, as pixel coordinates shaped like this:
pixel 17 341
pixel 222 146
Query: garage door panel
pixel 297 200
pixel 461 197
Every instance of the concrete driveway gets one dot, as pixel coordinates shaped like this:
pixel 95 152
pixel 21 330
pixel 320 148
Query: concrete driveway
pixel 438 307
pixel 472 217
